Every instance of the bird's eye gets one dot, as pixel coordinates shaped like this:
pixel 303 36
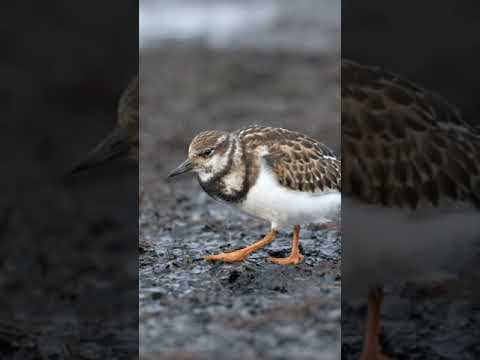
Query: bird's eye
pixel 206 153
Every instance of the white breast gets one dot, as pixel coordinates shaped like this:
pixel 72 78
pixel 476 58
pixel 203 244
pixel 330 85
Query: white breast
pixel 384 245
pixel 268 200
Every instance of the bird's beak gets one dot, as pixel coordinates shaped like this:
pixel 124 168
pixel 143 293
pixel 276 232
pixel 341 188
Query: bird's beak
pixel 115 145
pixel 184 167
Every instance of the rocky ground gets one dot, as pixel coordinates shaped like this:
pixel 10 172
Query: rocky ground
pixel 243 311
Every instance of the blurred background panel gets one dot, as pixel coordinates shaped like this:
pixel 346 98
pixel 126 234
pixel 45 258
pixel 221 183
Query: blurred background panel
pixel 307 25
pixel 68 248
pixel 435 45
pixel 208 64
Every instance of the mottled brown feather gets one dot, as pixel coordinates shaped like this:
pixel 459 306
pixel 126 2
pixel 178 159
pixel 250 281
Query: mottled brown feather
pixel 299 162
pixel 403 145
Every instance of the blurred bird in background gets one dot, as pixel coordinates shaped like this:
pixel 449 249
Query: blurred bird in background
pixel 411 194
pixel 122 142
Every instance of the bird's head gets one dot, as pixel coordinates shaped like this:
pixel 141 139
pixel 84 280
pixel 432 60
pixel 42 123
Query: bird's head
pixel 122 142
pixel 116 145
pixel 207 155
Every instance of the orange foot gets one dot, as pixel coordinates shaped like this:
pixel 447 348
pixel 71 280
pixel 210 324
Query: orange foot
pixel 234 256
pixel 241 255
pixel 293 259
pixel 295 256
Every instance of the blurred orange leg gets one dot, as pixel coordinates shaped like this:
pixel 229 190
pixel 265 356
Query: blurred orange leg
pixel 371 346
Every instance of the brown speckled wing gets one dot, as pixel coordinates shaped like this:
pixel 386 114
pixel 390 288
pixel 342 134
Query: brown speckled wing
pixel 299 162
pixel 404 146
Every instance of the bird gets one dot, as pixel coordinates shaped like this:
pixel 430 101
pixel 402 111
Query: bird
pixel 278 175
pixel 122 142
pixel 411 188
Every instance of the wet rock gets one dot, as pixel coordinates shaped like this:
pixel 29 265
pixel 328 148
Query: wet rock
pixel 234 275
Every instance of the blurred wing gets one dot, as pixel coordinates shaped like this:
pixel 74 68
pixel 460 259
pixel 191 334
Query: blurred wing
pixel 128 105
pixel 128 116
pixel 402 145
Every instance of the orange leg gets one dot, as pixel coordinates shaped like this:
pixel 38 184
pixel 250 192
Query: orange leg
pixel 371 346
pixel 295 255
pixel 241 255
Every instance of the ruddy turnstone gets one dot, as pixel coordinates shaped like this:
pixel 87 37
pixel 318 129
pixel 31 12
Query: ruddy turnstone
pixel 122 142
pixel 411 192
pixel 275 174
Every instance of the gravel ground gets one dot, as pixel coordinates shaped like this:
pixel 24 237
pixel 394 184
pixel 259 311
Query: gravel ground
pixel 254 310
